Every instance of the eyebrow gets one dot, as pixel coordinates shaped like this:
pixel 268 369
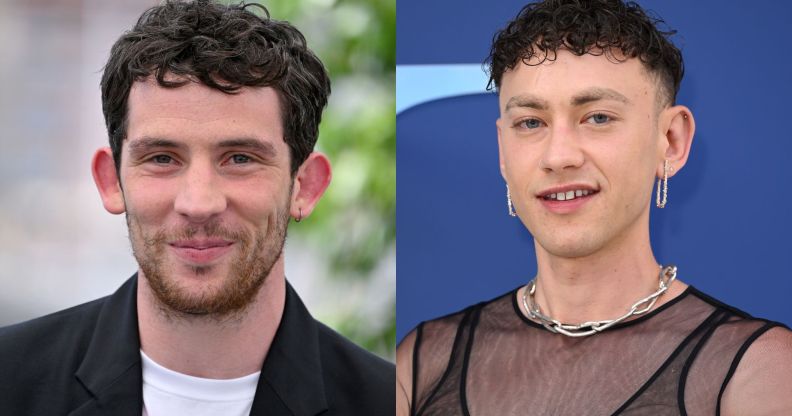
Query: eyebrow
pixel 582 98
pixel 527 101
pixel 597 94
pixel 146 144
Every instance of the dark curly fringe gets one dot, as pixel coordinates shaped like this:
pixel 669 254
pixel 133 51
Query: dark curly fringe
pixel 587 27
pixel 223 47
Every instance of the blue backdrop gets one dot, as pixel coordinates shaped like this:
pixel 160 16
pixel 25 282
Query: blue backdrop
pixel 727 222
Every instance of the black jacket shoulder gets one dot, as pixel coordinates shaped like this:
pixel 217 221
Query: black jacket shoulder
pixel 351 371
pixel 39 358
pixel 85 361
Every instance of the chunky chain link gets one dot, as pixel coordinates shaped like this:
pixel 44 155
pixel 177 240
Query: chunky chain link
pixel 667 276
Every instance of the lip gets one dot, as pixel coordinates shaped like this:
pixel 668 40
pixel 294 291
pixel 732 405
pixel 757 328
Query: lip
pixel 566 207
pixel 566 188
pixel 201 252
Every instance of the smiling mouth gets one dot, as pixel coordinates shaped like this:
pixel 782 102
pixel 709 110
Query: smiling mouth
pixel 568 195
pixel 201 252
pixel 201 245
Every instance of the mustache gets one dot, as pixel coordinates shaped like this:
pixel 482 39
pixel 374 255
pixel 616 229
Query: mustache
pixel 213 229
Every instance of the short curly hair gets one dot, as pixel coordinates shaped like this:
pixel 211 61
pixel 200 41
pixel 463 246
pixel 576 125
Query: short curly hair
pixel 588 27
pixel 225 47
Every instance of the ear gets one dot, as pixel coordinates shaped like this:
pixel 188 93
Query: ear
pixel 106 179
pixel 310 183
pixel 498 126
pixel 677 128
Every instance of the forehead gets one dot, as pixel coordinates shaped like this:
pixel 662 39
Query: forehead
pixel 195 111
pixel 556 81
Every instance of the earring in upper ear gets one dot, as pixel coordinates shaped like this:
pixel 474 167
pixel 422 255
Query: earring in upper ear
pixel 509 202
pixel 662 204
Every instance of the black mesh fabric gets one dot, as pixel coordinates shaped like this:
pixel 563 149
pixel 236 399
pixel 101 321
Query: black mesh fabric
pixel 491 360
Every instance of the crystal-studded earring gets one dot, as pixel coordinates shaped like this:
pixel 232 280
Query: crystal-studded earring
pixel 509 202
pixel 662 203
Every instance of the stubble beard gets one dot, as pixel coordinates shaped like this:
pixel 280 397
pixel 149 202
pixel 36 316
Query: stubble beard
pixel 256 255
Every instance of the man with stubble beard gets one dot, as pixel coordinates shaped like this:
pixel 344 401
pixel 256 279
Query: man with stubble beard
pixel 212 113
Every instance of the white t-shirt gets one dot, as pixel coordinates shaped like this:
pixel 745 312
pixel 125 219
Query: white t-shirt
pixel 168 393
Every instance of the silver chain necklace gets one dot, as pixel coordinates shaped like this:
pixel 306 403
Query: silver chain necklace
pixel 666 277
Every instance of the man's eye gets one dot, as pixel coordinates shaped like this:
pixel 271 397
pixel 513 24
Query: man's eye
pixel 162 159
pixel 599 119
pixel 531 123
pixel 240 159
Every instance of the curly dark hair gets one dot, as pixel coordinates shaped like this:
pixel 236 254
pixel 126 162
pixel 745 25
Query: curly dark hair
pixel 588 27
pixel 225 47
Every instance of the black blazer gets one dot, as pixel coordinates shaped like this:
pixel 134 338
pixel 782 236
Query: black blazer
pixel 86 361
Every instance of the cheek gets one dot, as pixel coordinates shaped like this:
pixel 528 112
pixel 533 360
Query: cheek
pixel 520 159
pixel 258 201
pixel 149 202
pixel 630 173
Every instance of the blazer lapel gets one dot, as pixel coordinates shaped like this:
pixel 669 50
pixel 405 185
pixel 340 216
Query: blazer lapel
pixel 111 370
pixel 291 381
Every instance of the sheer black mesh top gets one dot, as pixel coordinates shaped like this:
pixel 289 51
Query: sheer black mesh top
pixel 489 359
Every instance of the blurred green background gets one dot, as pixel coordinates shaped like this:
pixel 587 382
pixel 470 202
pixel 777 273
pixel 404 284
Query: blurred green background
pixel 355 222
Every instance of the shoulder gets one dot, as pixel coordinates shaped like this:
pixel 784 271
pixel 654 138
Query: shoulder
pixel 430 339
pixel 426 351
pixel 757 381
pixel 355 375
pixel 337 350
pixel 404 371
pixel 761 375
pixel 38 359
pixel 438 336
pixel 445 328
pixel 59 330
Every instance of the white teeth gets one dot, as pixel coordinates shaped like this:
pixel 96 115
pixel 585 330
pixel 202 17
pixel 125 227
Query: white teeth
pixel 569 195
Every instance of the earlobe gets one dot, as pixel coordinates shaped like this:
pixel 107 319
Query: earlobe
pixel 107 181
pixel 677 140
pixel 310 183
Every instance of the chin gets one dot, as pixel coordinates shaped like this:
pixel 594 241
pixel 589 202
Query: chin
pixel 218 290
pixel 203 273
pixel 198 279
pixel 570 248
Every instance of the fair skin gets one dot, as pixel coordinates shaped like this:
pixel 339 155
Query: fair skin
pixel 560 123
pixel 589 123
pixel 206 185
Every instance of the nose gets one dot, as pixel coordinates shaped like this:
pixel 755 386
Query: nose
pixel 200 198
pixel 562 151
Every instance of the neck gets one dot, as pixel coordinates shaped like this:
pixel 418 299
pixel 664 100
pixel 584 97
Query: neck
pixel 206 346
pixel 599 286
